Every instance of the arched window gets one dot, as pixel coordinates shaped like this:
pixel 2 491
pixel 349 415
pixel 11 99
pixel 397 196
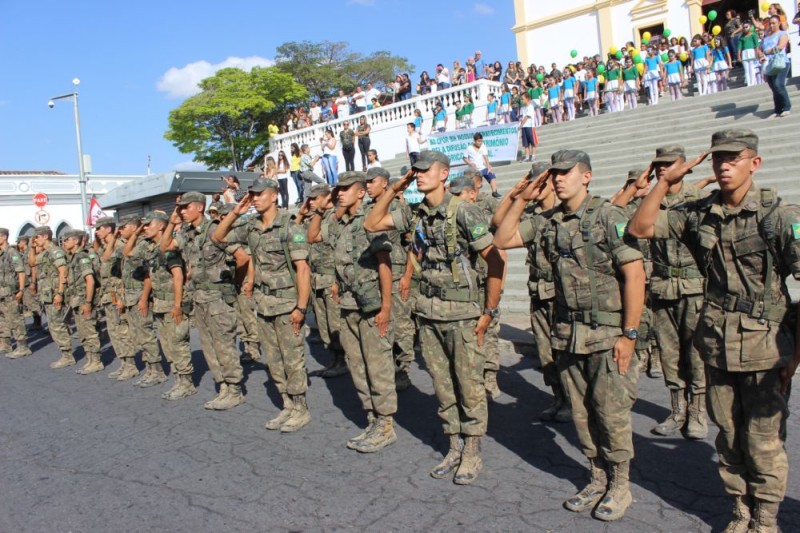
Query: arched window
pixel 27 230
pixel 63 227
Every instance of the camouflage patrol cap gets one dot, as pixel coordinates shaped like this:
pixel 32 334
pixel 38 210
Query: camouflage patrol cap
pixel 43 230
pixel 427 158
pixel 348 178
pixel 262 184
pixel 155 215
pixel 472 174
pixel 634 174
pixel 318 189
pixel 105 221
pixel 73 234
pixel 4 231
pixel 566 159
pixel 133 220
pixel 733 141
pixel 669 153
pixel 538 167
pixel 192 196
pixel 224 209
pixel 461 184
pixel 378 172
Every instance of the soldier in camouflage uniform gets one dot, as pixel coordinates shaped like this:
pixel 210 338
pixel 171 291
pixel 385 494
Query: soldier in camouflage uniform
pixel 12 287
pixel 541 287
pixel 403 327
pixel 364 280
pixel 211 273
pixel 747 243
pixel 32 308
pixel 600 290
pixel 80 297
pixel 166 272
pixel 281 287
pixel 452 318
pixel 50 284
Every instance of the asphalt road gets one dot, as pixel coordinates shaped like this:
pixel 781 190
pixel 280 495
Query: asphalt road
pixel 86 454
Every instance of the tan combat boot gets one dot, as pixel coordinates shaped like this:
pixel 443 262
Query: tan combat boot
pixel 697 425
pixel 618 498
pixel 765 517
pixel 183 388
pixel 560 410
pixel 66 359
pixel 148 369
pixel 22 351
pixel 452 460
pixel 380 436
pixel 361 436
pixel 300 416
pixel 471 462
pixel 283 416
pixel 231 399
pixel 93 364
pixel 223 391
pixel 490 384
pixel 677 418
pixel 741 516
pixel 156 376
pixel 655 370
pixel 117 371
pixel 128 369
pixel 592 493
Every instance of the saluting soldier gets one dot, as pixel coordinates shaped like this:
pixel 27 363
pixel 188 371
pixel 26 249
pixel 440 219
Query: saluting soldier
pixel 12 287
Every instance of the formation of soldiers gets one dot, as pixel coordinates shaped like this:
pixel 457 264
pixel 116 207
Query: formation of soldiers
pixel 664 272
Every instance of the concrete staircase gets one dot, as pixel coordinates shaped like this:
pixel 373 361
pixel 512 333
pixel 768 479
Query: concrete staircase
pixel 622 141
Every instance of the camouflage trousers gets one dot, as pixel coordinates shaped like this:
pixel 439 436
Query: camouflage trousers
pixel 369 358
pixel 456 362
pixel 31 303
pixel 12 323
pixel 404 329
pixel 57 326
pixel 285 353
pixel 216 323
pixel 749 410
pixel 541 322
pixel 143 333
pixel 601 400
pixel 674 323
pixel 87 330
pixel 246 323
pixel 174 340
pixel 328 317
pixel 118 332
pixel 491 345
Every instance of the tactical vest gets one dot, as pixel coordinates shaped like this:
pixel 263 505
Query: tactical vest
pixel 213 269
pixel 265 248
pixel 75 293
pixel 162 283
pixel 10 260
pixel 364 284
pixel 672 258
pixel 47 273
pixel 540 272
pixel 134 269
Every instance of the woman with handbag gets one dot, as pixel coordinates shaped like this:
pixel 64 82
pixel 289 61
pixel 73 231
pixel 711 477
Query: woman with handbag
pixel 777 67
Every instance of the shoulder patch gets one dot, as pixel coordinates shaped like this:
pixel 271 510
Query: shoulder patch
pixel 620 228
pixel 479 230
pixel 58 254
pixel 86 260
pixel 18 258
pixel 171 255
pixel 299 237
pixel 796 231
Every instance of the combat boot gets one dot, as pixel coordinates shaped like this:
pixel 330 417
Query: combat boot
pixel 697 425
pixel 156 377
pixel 183 388
pixel 93 364
pixel 594 491
pixel 380 436
pixel 402 381
pixel 283 416
pixel 66 359
pixel 22 351
pixel 128 369
pixel 741 516
pixel 223 391
pixel 338 367
pixel 618 498
pixel 452 460
pixel 560 410
pixel 490 384
pixel 361 436
pixel 765 517
pixel 300 416
pixel 677 418
pixel 231 399
pixel 148 369
pixel 471 462
pixel 116 372
pixel 37 322
pixel 251 353
pixel 655 370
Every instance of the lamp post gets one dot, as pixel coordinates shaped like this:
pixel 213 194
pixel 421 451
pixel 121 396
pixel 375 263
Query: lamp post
pixel 82 173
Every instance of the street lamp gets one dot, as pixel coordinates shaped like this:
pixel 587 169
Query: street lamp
pixel 82 179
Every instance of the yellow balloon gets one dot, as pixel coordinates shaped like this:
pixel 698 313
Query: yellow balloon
pixel 613 50
pixel 640 68
pixel 765 6
pixel 703 19
pixel 635 51
pixel 601 79
pixel 716 30
pixel 646 36
pixel 683 56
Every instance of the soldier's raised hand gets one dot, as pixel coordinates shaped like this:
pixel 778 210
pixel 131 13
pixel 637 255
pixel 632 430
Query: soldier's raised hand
pixel 175 217
pixel 407 179
pixel 677 170
pixel 644 178
pixel 244 205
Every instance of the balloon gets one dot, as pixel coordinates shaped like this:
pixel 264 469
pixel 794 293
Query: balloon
pixel 619 54
pixel 683 56
pixel 640 68
pixel 646 36
pixel 574 53
pixel 716 30
pixel 712 15
pixel 613 50
pixel 601 68
pixel 635 51
pixel 539 77
pixel 645 41
pixel 667 32
pixel 665 57
pixel 765 6
pixel 601 79
pixel 638 59
pixel 703 20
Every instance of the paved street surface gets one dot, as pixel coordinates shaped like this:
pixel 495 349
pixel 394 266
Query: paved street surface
pixel 88 454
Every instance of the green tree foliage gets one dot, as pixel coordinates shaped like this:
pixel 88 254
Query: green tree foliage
pixel 325 67
pixel 225 125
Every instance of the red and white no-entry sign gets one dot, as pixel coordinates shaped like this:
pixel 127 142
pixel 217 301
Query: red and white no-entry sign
pixel 40 199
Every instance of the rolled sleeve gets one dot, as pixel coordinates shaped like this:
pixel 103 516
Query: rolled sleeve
pixel 474 224
pixel 528 230
pixel 298 247
pixel 401 218
pixel 789 236
pixel 621 252
pixel 662 225
pixel 380 242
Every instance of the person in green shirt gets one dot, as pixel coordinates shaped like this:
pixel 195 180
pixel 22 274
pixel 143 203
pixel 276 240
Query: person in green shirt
pixel 748 52
pixel 613 88
pixel 630 78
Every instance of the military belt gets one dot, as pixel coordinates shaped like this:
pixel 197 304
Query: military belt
pixel 450 294
pixel 165 296
pixel 288 292
pixel 435 265
pixel 133 284
pixel 666 271
pixel 737 304
pixel 604 318
pixel 540 274
pixel 220 286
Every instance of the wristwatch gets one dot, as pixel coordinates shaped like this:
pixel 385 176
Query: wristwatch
pixel 493 312
pixel 631 333
pixel 303 310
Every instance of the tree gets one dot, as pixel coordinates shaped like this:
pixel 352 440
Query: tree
pixel 325 67
pixel 225 125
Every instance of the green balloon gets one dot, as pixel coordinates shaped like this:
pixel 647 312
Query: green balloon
pixel 619 54
pixel 638 59
pixel 539 77
pixel 601 68
pixel 665 57
pixel 667 33
pixel 574 53
pixel 712 15
pixel 645 41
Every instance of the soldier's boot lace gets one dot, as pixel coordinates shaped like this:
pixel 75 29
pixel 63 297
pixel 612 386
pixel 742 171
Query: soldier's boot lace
pixel 677 418
pixel 618 498
pixel 592 493
pixel 451 460
pixel 765 517
pixel 300 416
pixel 23 350
pixel 655 370
pixel 232 398
pixel 223 391
pixel 402 381
pixel 560 410
pixel 148 369
pixel 380 436
pixel 157 376
pixel 93 364
pixel 490 384
pixel 741 516
pixel 283 416
pixel 471 462
pixel 128 369
pixel 361 436
pixel 338 367
pixel 66 359
pixel 183 388
pixel 697 425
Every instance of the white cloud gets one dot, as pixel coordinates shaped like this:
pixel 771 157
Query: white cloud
pixel 483 9
pixel 182 82
pixel 362 2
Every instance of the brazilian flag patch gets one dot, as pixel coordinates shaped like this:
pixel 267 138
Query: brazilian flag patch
pixel 298 237
pixel 796 231
pixel 18 258
pixel 480 229
pixel 86 260
pixel 620 228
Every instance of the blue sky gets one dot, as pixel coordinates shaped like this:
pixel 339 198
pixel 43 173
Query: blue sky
pixel 138 60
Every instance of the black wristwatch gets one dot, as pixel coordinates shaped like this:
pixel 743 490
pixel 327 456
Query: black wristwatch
pixel 631 333
pixel 303 310
pixel 493 313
